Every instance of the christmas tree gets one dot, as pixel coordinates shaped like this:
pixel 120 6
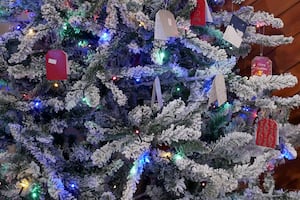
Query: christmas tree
pixel 140 100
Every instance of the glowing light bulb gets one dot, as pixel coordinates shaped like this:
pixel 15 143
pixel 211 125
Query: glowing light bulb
pixel 65 26
pixel 31 32
pixel 137 80
pixel 24 183
pixel 167 155
pixel 34 195
pixel 37 104
pixel 105 37
pixel 160 57
pixel 133 171
pixel 114 78
pixel 177 157
pixel 56 85
pixel 141 24
pixel 137 131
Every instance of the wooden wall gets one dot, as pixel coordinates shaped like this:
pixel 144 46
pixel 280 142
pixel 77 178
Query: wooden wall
pixel 286 58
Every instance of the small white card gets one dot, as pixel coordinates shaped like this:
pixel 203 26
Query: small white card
pixel 156 93
pixel 52 61
pixel 233 36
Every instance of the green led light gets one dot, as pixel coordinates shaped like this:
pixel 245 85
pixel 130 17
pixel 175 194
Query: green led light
pixel 160 57
pixel 65 26
pixel 178 89
pixel 34 195
pixel 133 171
pixel 83 43
pixel 177 157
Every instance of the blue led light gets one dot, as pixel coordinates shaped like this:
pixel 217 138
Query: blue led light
pixel 137 80
pixel 72 185
pixel 285 153
pixel 37 104
pixel 18 27
pixel 246 108
pixel 105 37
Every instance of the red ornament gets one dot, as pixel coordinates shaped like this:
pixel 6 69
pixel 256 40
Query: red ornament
pixel 137 131
pixel 56 65
pixel 114 78
pixel 267 133
pixel 261 65
pixel 198 14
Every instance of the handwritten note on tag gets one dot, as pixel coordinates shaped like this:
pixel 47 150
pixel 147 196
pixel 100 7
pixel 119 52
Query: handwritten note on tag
pixel 165 25
pixel 156 93
pixel 218 91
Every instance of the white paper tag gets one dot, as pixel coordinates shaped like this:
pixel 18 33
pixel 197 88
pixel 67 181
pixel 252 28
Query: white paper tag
pixel 232 36
pixel 208 16
pixel 156 93
pixel 165 25
pixel 218 91
pixel 52 61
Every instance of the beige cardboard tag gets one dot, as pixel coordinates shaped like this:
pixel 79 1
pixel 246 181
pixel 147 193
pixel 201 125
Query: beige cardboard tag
pixel 218 91
pixel 6 27
pixel 165 25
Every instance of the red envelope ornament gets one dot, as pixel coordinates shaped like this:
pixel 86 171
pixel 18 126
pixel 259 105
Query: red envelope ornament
pixel 201 14
pixel 56 65
pixel 198 14
pixel 261 65
pixel 267 133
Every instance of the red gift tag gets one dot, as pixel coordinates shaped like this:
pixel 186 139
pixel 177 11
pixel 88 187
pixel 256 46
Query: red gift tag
pixel 198 14
pixel 267 133
pixel 261 65
pixel 56 65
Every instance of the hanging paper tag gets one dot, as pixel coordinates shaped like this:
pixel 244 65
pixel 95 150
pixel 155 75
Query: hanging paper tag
pixel 25 16
pixel 267 133
pixel 56 65
pixel 156 93
pixel 165 25
pixel 235 31
pixel 261 65
pixel 208 16
pixel 238 24
pixel 6 27
pixel 198 14
pixel 233 37
pixel 218 91
pixel 201 14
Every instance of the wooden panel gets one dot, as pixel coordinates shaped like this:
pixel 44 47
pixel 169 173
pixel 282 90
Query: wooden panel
pixel 294 90
pixel 285 56
pixel 291 28
pixel 295 117
pixel 274 6
pixel 249 2
pixel 291 20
